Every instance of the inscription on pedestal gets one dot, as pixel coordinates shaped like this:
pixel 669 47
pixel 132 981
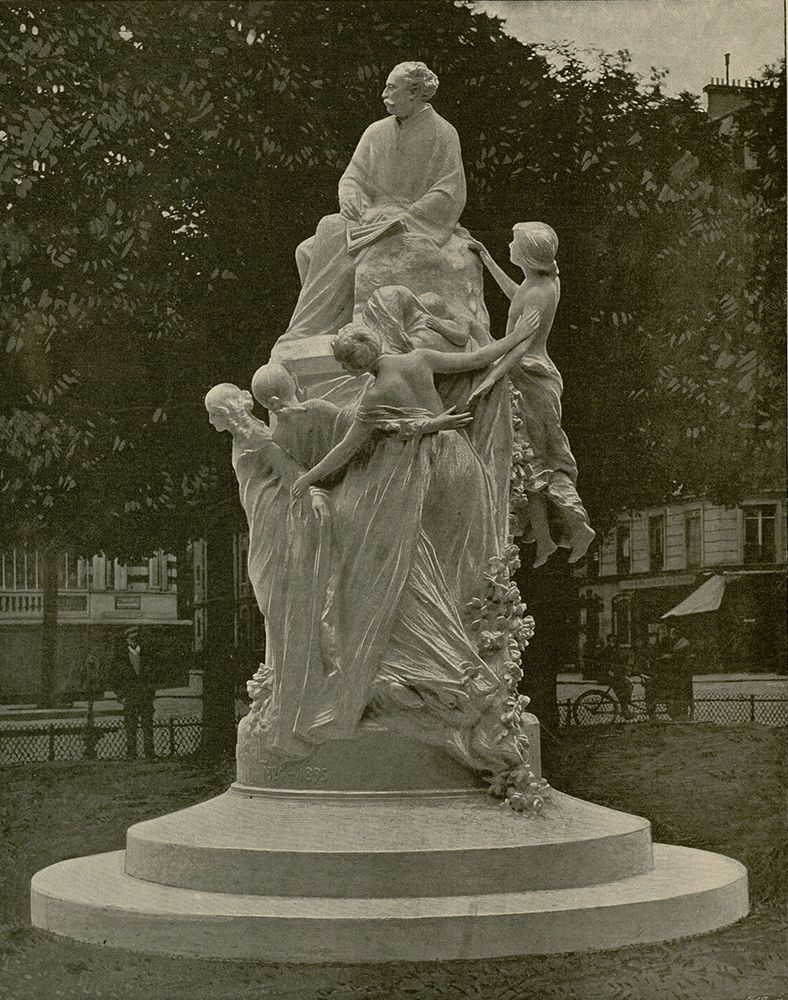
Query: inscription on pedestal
pixel 279 775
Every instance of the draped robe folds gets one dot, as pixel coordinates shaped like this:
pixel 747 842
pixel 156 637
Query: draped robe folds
pixel 550 466
pixel 290 559
pixel 414 169
pixel 400 319
pixel 374 597
pixel 414 166
pixel 414 528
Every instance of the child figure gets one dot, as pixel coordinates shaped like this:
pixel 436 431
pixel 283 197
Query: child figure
pixel 306 430
pixel 551 470
pixel 257 455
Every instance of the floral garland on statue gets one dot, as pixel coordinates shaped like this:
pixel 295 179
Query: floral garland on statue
pixel 499 625
pixel 522 455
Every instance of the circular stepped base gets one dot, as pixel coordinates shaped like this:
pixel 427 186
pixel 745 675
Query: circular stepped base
pixel 331 845
pixel 395 856
pixel 93 899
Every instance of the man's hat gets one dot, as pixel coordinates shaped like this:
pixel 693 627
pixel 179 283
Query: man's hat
pixel 131 630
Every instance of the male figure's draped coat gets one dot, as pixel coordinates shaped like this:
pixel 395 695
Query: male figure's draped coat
pixel 411 168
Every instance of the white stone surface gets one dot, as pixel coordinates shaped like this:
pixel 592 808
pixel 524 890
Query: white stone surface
pixel 93 899
pixel 328 844
pixel 374 760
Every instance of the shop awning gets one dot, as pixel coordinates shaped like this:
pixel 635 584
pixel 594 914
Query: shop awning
pixel 708 597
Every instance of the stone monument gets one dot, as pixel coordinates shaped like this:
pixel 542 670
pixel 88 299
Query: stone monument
pixel 389 802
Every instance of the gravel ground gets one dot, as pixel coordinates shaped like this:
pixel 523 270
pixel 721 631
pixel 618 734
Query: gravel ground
pixel 717 788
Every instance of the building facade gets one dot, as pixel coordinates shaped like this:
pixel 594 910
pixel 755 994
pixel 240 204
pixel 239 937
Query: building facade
pixel 248 624
pixel 653 559
pixel 97 598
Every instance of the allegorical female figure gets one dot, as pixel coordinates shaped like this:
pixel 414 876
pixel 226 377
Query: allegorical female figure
pixel 288 543
pixel 299 551
pixel 417 526
pixel 550 467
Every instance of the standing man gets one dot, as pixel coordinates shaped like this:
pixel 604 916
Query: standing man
pixel 677 671
pixel 616 668
pixel 135 676
pixel 406 174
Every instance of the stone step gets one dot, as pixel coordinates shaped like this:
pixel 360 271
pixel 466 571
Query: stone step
pixel 92 899
pixel 351 844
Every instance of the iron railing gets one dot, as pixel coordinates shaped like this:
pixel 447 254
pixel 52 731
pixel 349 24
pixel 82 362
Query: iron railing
pixel 103 740
pixel 176 737
pixel 722 711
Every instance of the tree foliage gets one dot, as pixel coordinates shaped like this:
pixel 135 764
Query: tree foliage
pixel 160 162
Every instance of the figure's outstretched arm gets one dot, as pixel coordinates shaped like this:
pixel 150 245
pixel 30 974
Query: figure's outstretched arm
pixel 441 362
pixel 338 457
pixel 525 329
pixel 507 285
pixel 449 329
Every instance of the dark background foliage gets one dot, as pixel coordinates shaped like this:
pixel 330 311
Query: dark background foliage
pixel 159 162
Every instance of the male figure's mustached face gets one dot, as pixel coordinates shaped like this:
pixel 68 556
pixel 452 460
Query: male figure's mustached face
pixel 397 96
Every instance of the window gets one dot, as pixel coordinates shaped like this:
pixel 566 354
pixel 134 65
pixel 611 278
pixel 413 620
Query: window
pixel 9 570
pixel 622 619
pixel 759 541
pixel 656 542
pixel 136 578
pixel 623 535
pixel 68 572
pixel 693 537
pixel 242 565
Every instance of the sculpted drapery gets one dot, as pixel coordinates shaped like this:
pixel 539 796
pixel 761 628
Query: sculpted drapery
pixel 367 608
pixel 389 601
pixel 413 167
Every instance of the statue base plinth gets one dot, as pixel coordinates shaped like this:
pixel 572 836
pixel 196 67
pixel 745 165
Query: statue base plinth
pixel 375 760
pixel 391 874
pixel 310 359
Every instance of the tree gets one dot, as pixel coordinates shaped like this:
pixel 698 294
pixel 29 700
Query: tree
pixel 160 162
pixel 98 423
pixel 710 413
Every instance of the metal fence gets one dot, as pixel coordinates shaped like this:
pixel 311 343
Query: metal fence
pixel 722 711
pixel 104 740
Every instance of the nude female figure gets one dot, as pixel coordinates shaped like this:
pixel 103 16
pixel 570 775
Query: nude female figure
pixel 551 470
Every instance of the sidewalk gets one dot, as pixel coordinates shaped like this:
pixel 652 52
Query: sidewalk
pixel 186 702
pixel 570 685
pixel 180 702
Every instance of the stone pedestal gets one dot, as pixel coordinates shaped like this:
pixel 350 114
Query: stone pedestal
pixel 452 271
pixel 421 864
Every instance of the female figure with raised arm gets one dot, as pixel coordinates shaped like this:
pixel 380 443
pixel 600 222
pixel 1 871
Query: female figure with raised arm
pixel 402 398
pixel 551 470
pixel 416 523
pixel 287 545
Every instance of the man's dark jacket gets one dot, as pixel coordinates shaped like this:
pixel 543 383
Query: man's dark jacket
pixel 126 683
